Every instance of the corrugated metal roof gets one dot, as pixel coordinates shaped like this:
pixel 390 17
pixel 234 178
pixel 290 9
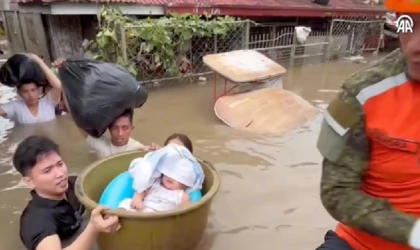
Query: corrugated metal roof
pixel 270 6
pixel 263 4
pixel 225 3
pixel 142 2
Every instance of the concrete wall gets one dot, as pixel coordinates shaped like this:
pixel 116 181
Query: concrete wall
pixel 65 33
pixel 7 5
pixel 4 4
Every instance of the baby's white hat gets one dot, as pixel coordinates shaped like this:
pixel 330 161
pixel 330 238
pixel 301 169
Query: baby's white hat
pixel 179 169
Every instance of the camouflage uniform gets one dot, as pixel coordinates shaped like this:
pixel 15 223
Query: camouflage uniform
pixel 346 159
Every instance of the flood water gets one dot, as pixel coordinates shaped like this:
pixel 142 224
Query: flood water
pixel 269 197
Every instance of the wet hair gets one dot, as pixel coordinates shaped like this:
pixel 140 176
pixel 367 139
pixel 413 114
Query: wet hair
pixel 26 83
pixel 183 138
pixel 30 150
pixel 129 113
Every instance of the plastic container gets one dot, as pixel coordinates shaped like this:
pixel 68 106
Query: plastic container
pixel 173 230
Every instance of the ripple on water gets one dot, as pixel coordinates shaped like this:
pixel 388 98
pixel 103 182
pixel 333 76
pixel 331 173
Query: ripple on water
pixel 230 173
pixel 328 90
pixel 282 151
pixel 6 94
pixel 13 185
pixel 6 159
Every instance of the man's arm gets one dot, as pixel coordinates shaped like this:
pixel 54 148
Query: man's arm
pixel 2 112
pixel 346 151
pixel 8 109
pixel 56 88
pixel 185 200
pixel 41 233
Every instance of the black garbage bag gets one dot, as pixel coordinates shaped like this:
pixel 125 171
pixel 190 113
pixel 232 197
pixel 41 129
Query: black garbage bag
pixel 19 69
pixel 98 93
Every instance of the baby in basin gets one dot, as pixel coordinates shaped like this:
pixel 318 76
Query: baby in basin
pixel 167 193
pixel 174 175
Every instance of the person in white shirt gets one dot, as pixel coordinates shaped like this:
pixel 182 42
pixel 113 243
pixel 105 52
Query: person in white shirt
pixel 31 108
pixel 120 130
pixel 119 140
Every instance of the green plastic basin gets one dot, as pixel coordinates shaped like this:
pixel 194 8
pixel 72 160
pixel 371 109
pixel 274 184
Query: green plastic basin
pixel 180 229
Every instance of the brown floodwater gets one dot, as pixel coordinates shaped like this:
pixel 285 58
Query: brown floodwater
pixel 269 197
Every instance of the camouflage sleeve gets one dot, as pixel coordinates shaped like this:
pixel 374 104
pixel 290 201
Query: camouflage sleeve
pixel 346 151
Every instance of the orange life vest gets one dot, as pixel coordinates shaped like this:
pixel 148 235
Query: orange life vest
pixel 392 109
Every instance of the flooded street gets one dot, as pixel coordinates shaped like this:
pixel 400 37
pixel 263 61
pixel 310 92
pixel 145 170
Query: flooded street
pixel 269 198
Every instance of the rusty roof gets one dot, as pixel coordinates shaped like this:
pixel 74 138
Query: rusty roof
pixel 276 4
pixel 236 7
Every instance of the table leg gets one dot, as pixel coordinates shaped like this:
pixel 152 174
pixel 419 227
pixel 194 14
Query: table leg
pixel 214 88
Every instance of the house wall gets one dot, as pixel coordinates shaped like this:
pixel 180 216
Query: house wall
pixel 25 33
pixel 65 35
pixel 89 26
pixel 8 5
pixel 4 4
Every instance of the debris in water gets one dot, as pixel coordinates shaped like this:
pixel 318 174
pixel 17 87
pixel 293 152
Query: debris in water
pixel 202 80
pixel 356 59
pixel 156 84
pixel 302 33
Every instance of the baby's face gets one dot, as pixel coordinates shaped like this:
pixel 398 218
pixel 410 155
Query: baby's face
pixel 171 184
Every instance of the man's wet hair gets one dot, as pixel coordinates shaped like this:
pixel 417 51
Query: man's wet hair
pixel 30 151
pixel 26 83
pixel 129 113
pixel 183 138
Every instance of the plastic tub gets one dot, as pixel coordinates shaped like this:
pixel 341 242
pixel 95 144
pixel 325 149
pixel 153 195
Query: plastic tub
pixel 174 230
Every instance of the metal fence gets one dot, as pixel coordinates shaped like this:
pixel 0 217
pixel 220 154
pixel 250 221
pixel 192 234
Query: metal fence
pixel 189 57
pixel 340 38
pixel 287 51
pixel 353 37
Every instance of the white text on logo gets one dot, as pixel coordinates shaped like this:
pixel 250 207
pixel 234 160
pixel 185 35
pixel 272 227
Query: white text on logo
pixel 404 24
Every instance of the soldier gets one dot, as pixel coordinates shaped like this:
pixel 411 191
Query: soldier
pixel 370 142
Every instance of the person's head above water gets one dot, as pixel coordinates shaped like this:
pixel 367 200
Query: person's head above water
pixel 120 130
pixel 38 160
pixel 180 139
pixel 409 42
pixel 30 93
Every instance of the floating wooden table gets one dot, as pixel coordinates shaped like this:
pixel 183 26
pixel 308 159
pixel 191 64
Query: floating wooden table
pixel 240 67
pixel 268 108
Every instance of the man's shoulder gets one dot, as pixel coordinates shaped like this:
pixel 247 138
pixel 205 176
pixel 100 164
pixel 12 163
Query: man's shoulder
pixel 72 183
pixel 15 103
pixel 345 113
pixel 36 223
pixel 133 144
pixel 46 103
pixel 98 142
pixel 33 214
pixel 387 67
pixel 360 86
pixel 72 179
